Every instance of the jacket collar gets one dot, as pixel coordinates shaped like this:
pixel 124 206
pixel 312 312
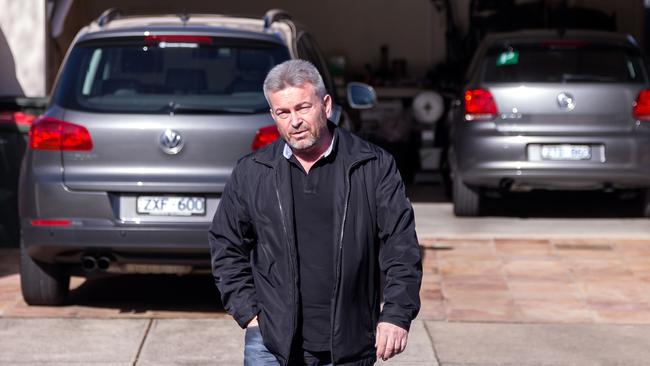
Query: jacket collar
pixel 350 149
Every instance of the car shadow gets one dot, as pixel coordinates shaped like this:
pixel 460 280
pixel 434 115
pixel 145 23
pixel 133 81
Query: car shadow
pixel 566 204
pixel 149 293
pixel 540 204
pixel 429 188
pixel 9 258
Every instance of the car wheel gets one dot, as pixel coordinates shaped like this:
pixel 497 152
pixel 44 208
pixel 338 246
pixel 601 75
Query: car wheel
pixel 42 283
pixel 467 200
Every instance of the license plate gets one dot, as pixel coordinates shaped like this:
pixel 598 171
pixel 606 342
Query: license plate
pixel 566 152
pixel 171 205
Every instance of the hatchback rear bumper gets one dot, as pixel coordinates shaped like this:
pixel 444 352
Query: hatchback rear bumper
pixel 552 176
pixel 486 158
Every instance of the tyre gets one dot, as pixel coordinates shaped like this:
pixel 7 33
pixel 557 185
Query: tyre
pixel 445 175
pixel 42 283
pixel 467 201
pixel 646 202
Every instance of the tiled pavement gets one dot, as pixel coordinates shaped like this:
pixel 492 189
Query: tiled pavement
pixel 554 281
pixel 497 280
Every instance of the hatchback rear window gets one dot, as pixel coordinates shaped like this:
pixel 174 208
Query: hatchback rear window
pixel 173 74
pixel 563 62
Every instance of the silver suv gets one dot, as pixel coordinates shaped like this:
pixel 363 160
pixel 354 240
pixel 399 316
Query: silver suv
pixel 551 110
pixel 148 117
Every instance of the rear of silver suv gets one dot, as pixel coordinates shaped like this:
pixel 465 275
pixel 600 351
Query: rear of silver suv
pixel 148 117
pixel 551 110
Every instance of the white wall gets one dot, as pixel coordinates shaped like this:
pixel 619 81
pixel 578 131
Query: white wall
pixel 22 47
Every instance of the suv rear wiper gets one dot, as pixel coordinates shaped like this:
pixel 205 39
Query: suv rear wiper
pixel 173 107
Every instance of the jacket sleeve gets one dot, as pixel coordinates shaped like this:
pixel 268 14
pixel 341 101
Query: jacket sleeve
pixel 232 238
pixel 399 255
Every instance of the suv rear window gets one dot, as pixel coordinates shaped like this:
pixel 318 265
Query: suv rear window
pixel 563 61
pixel 162 75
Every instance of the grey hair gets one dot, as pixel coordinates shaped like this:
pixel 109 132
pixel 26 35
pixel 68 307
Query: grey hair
pixel 293 73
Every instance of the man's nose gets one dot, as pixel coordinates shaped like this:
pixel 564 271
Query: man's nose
pixel 295 119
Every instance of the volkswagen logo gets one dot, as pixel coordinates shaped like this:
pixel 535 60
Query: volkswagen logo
pixel 171 142
pixel 566 101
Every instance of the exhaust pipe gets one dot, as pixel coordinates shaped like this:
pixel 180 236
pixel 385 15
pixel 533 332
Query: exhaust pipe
pixel 506 184
pixel 103 263
pixel 88 263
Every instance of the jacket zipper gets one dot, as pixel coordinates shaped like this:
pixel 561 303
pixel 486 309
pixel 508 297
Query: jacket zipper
pixel 338 262
pixel 291 267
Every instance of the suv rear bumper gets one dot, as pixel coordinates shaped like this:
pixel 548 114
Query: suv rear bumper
pixel 142 245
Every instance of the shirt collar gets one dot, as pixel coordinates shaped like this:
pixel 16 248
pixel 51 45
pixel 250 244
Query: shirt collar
pixel 287 153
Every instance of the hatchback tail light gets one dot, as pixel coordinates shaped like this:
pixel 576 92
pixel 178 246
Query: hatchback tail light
pixel 479 105
pixel 49 133
pixel 265 136
pixel 641 110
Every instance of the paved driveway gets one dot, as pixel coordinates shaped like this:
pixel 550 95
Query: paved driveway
pixel 582 273
pixel 500 290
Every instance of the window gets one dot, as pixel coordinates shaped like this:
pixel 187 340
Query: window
pixel 308 50
pixel 132 75
pixel 563 62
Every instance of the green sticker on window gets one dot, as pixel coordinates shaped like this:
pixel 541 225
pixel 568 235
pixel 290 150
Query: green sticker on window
pixel 508 58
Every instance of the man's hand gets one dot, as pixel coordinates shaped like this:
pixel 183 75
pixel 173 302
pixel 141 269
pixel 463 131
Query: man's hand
pixel 391 340
pixel 252 323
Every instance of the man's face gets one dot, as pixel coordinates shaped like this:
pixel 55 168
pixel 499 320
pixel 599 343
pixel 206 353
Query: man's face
pixel 301 116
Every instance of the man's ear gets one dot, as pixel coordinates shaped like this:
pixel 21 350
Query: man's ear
pixel 327 100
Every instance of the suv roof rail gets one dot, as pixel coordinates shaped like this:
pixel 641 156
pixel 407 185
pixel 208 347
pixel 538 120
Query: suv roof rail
pixel 275 15
pixel 108 15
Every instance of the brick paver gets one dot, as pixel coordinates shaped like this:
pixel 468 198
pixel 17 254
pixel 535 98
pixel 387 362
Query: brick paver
pixel 499 280
pixel 523 280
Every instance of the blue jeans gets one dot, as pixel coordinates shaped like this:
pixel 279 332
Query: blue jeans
pixel 255 353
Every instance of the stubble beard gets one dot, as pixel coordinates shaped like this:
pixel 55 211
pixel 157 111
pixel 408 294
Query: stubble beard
pixel 303 144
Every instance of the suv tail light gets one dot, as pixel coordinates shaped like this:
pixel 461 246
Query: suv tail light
pixel 641 110
pixel 479 105
pixel 265 136
pixel 17 118
pixel 51 222
pixel 52 134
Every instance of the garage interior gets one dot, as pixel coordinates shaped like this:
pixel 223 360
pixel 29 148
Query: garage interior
pixel 401 49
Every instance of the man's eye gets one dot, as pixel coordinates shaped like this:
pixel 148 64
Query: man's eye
pixel 304 109
pixel 282 115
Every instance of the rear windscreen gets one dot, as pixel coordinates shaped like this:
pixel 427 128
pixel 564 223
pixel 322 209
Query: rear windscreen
pixel 177 75
pixel 563 62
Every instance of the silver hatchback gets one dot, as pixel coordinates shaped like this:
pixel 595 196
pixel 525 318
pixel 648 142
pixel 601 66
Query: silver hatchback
pixel 551 110
pixel 148 117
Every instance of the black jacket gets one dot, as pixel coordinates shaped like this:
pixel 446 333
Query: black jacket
pixel 254 252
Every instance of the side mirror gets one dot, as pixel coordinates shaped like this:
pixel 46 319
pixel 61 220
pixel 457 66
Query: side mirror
pixel 361 96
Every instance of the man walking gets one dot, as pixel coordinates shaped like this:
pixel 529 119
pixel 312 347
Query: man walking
pixel 303 230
